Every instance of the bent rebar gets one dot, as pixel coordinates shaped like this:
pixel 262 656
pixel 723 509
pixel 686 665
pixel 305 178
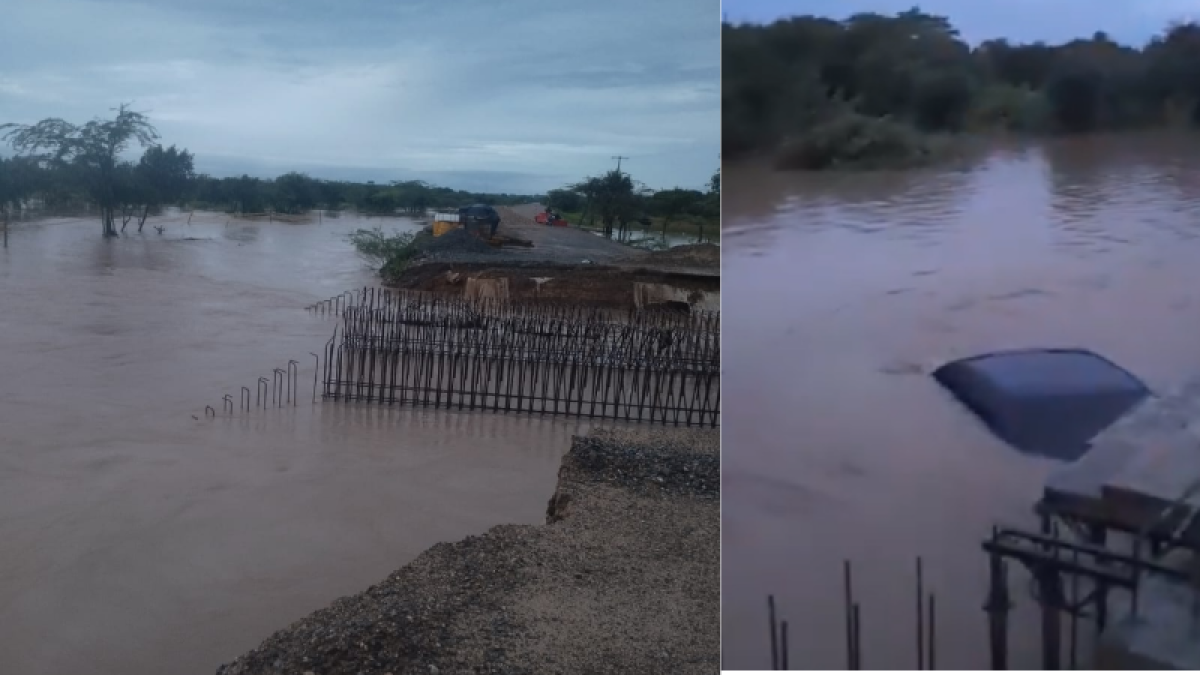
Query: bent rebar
pixel 316 369
pixel 261 399
pixel 293 367
pixel 209 409
pixel 246 399
pixel 227 403
pixel 277 384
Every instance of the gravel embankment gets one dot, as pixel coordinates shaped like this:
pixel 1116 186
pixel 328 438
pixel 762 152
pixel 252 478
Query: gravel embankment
pixel 564 247
pixel 624 578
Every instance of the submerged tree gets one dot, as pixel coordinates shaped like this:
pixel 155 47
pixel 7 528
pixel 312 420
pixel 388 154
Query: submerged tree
pixel 90 151
pixel 162 177
pixel 296 193
pixel 615 198
pixel 18 180
pixel 673 204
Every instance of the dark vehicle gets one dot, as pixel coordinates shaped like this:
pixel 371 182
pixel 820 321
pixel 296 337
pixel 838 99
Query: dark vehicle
pixel 477 215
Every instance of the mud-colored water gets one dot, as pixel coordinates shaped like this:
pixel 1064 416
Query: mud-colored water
pixel 842 291
pixel 138 536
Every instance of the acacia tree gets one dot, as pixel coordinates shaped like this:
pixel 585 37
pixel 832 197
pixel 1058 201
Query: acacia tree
pixel 91 150
pixel 127 191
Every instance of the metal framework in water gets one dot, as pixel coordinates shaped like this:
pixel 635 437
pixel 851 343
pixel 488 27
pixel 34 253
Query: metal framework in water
pixel 926 646
pixel 1074 570
pixel 504 356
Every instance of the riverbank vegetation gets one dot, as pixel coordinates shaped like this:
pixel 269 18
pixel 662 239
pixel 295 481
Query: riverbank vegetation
pixel 389 253
pixel 60 167
pixel 875 90
pixel 617 206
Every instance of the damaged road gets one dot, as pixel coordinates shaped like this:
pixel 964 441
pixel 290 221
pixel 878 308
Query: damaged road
pixel 566 265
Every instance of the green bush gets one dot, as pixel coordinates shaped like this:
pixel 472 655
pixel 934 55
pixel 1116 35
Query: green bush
pixel 853 140
pixel 1010 108
pixel 391 253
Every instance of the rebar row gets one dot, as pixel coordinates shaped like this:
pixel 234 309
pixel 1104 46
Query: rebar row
pixel 502 384
pixel 926 626
pixel 488 330
pixel 332 306
pixel 450 352
pixel 281 388
pixel 422 308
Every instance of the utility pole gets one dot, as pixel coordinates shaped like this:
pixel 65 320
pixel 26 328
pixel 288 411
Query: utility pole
pixel 619 158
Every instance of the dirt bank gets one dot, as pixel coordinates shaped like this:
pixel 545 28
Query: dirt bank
pixel 565 265
pixel 552 245
pixel 609 286
pixel 623 578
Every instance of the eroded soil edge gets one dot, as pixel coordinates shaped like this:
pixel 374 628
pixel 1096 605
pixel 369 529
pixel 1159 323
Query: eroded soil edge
pixel 623 578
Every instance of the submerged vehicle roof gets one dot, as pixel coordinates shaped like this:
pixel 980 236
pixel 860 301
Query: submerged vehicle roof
pixel 1046 402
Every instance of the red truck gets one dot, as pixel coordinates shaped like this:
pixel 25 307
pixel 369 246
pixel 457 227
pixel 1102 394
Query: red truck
pixel 550 218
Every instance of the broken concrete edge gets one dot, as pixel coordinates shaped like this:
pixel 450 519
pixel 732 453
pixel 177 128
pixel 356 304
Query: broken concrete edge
pixel 1164 635
pixel 477 265
pixel 402 623
pixel 646 462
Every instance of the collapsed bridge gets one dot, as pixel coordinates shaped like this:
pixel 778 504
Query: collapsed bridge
pixel 506 356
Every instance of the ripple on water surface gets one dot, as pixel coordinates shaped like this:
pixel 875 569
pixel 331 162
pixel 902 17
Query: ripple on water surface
pixel 842 293
pixel 129 518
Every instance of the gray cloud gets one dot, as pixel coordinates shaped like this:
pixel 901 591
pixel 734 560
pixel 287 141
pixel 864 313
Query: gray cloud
pixel 544 92
pixel 1130 21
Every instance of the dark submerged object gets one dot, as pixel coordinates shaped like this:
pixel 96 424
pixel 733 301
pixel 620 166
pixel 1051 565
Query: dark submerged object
pixel 479 213
pixel 1047 402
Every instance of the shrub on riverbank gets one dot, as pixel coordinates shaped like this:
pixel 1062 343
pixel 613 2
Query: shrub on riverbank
pixel 390 253
pixel 855 140
pixel 1004 107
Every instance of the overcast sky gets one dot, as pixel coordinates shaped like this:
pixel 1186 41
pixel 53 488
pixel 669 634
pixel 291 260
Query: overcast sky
pixel 518 96
pixel 1129 21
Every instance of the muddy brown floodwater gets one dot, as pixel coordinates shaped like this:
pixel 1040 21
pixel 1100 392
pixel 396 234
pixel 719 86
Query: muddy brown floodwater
pixel 842 291
pixel 137 536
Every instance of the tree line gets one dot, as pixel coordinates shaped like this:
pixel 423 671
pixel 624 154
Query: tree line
pixel 64 167
pixel 822 93
pixel 297 193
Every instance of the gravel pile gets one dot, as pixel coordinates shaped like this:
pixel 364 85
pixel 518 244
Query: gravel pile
pixel 654 462
pixel 624 578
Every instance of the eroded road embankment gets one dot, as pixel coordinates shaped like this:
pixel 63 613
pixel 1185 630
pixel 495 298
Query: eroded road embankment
pixel 623 578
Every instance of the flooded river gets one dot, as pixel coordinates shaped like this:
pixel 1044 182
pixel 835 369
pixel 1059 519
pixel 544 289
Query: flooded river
pixel 841 292
pixel 138 536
